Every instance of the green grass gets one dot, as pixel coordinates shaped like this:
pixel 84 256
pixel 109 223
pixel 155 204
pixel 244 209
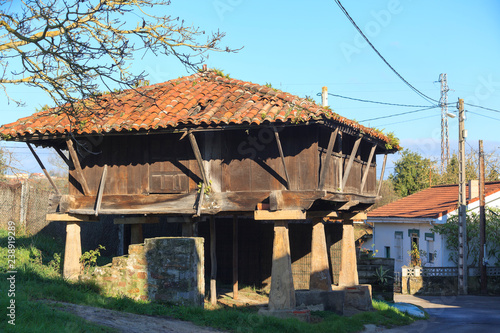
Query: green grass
pixel 38 278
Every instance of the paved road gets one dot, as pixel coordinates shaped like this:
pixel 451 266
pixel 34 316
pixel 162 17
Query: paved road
pixel 454 314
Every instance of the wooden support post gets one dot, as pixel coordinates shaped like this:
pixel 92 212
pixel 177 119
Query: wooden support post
pixel 341 161
pixel 78 167
pixel 101 189
pixel 235 257
pixel 365 173
pixel 188 228
pixel 197 154
pixel 326 163
pixel 382 175
pixel 64 158
pixel 213 261
pixel 320 268
pixel 73 251
pixel 282 294
pixel 280 149
pixel 348 265
pixel 351 160
pixel 200 199
pixel 43 168
pixel 136 236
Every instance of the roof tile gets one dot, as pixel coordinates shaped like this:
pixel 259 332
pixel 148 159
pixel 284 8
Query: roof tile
pixel 171 103
pixel 432 202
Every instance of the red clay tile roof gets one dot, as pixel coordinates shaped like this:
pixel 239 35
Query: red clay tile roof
pixel 204 98
pixel 432 202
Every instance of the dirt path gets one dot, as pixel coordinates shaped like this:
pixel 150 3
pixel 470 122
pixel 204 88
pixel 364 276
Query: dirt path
pixel 128 322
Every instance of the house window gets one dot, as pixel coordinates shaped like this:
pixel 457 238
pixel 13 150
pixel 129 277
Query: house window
pixel 387 251
pixel 430 251
pixel 398 245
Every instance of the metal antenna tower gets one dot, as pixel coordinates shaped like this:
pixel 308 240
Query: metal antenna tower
pixel 443 101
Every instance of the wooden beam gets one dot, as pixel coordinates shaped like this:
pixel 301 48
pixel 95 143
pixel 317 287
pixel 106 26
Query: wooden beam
pixel 280 149
pixel 276 201
pixel 381 175
pixel 355 216
pixel 280 215
pixel 197 154
pixel 64 158
pixel 328 157
pixel 200 199
pixel 185 203
pixel 235 257
pixel 70 218
pixel 78 168
pixel 101 189
pixel 43 168
pixel 136 220
pixel 136 235
pixel 213 262
pixel 341 160
pixel 351 160
pixel 365 173
pixel 349 204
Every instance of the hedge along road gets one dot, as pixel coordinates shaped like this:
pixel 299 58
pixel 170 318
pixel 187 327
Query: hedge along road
pixel 453 314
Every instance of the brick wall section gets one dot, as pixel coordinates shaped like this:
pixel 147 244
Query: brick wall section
pixel 166 269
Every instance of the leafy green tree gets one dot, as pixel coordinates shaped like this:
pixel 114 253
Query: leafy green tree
pixel 450 175
pixel 450 230
pixel 387 194
pixel 412 173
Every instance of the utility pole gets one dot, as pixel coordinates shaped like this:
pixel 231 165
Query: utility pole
pixel 462 202
pixel 443 101
pixel 324 96
pixel 482 222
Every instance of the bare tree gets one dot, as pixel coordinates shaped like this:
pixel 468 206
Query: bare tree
pixel 72 48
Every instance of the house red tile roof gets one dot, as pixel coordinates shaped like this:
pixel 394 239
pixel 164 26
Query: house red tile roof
pixel 432 202
pixel 204 98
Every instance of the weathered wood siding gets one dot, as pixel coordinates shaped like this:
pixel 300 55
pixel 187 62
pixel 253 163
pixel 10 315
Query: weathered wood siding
pixel 234 160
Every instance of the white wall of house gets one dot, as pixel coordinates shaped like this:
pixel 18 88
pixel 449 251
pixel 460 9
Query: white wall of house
pixel 394 239
pixel 387 231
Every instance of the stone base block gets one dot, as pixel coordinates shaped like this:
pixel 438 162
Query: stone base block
pixel 358 297
pixel 302 315
pixel 321 300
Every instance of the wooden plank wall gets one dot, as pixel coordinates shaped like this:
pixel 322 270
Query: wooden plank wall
pixel 234 161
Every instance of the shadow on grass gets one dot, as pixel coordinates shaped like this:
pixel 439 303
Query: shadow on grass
pixel 37 280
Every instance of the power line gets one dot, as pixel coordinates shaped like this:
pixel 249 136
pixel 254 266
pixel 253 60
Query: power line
pixel 407 121
pixel 421 94
pixel 401 114
pixel 482 115
pixel 375 102
pixel 482 107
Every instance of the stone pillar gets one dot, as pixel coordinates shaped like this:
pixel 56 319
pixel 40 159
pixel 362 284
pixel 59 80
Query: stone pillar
pixel 348 267
pixel 282 294
pixel 320 268
pixel 73 251
pixel 136 236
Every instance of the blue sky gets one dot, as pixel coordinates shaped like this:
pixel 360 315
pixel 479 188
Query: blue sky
pixel 300 46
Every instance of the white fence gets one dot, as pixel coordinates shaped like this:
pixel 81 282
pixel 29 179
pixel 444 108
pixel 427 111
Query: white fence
pixel 447 271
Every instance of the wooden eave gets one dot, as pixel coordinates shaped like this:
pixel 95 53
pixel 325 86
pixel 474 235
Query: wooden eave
pixel 56 139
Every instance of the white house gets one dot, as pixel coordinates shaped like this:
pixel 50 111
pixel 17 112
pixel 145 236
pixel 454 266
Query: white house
pixel 409 220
